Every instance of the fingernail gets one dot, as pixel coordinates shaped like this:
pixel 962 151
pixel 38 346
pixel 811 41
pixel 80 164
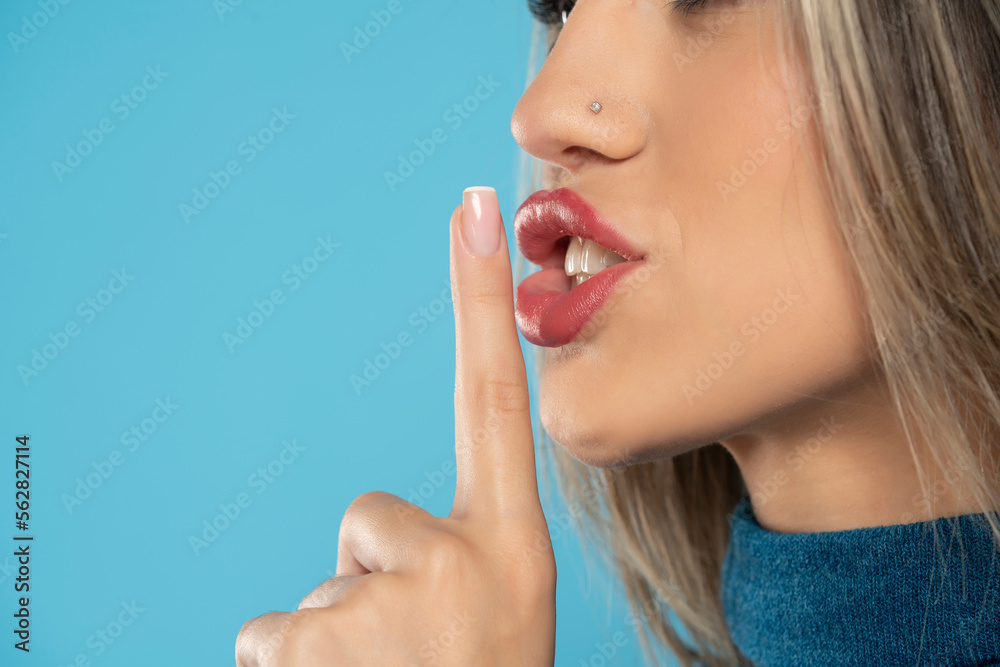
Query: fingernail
pixel 481 219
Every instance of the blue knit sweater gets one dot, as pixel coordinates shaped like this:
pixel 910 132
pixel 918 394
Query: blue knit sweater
pixel 867 596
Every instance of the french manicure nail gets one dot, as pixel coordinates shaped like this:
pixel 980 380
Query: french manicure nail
pixel 481 219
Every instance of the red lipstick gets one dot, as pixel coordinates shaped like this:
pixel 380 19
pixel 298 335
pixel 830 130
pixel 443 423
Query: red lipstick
pixel 548 312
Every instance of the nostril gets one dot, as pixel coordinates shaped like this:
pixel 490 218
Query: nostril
pixel 580 150
pixel 582 154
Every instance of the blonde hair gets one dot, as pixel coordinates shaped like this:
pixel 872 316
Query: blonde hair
pixel 909 132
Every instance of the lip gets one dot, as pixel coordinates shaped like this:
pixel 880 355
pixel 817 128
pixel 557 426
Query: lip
pixel 548 312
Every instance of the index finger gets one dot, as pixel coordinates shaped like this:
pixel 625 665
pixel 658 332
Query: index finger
pixel 494 449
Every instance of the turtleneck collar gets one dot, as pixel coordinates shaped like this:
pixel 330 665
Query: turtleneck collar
pixel 866 596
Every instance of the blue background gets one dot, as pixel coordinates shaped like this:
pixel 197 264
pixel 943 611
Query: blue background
pixel 225 69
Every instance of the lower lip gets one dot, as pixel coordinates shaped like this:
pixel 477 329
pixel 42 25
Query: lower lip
pixel 551 315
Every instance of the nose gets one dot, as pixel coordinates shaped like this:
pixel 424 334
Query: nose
pixel 589 63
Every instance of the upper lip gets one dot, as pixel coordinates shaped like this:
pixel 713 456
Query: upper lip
pixel 546 217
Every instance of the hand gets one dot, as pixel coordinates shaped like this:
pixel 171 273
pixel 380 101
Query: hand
pixel 476 587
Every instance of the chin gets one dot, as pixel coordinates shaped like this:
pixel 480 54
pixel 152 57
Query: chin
pixel 582 444
pixel 600 435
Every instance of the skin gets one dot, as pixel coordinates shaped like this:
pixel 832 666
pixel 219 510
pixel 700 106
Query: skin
pixel 799 406
pixel 474 588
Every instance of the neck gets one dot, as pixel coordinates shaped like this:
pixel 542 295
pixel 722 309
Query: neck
pixel 842 463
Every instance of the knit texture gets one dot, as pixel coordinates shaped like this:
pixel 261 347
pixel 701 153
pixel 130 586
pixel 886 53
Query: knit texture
pixel 867 596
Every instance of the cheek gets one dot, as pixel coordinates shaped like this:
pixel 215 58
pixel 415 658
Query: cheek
pixel 753 307
pixel 657 381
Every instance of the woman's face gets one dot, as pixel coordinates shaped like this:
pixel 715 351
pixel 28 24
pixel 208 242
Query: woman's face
pixel 743 318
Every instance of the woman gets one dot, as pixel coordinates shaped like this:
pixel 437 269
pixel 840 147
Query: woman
pixel 770 361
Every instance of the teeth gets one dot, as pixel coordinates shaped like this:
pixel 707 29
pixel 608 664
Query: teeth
pixel 585 259
pixel 593 256
pixel 611 258
pixel 573 255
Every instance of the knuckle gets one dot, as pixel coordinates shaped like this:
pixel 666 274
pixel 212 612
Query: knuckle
pixel 377 599
pixel 279 640
pixel 352 596
pixel 445 554
pixel 243 641
pixel 245 630
pixel 363 605
pixel 319 596
pixel 487 290
pixel 306 631
pixel 403 511
pixel 500 396
pixel 488 297
pixel 367 500
pixel 362 508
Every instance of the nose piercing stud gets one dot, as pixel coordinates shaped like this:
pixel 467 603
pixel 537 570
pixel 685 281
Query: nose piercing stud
pixel 596 107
